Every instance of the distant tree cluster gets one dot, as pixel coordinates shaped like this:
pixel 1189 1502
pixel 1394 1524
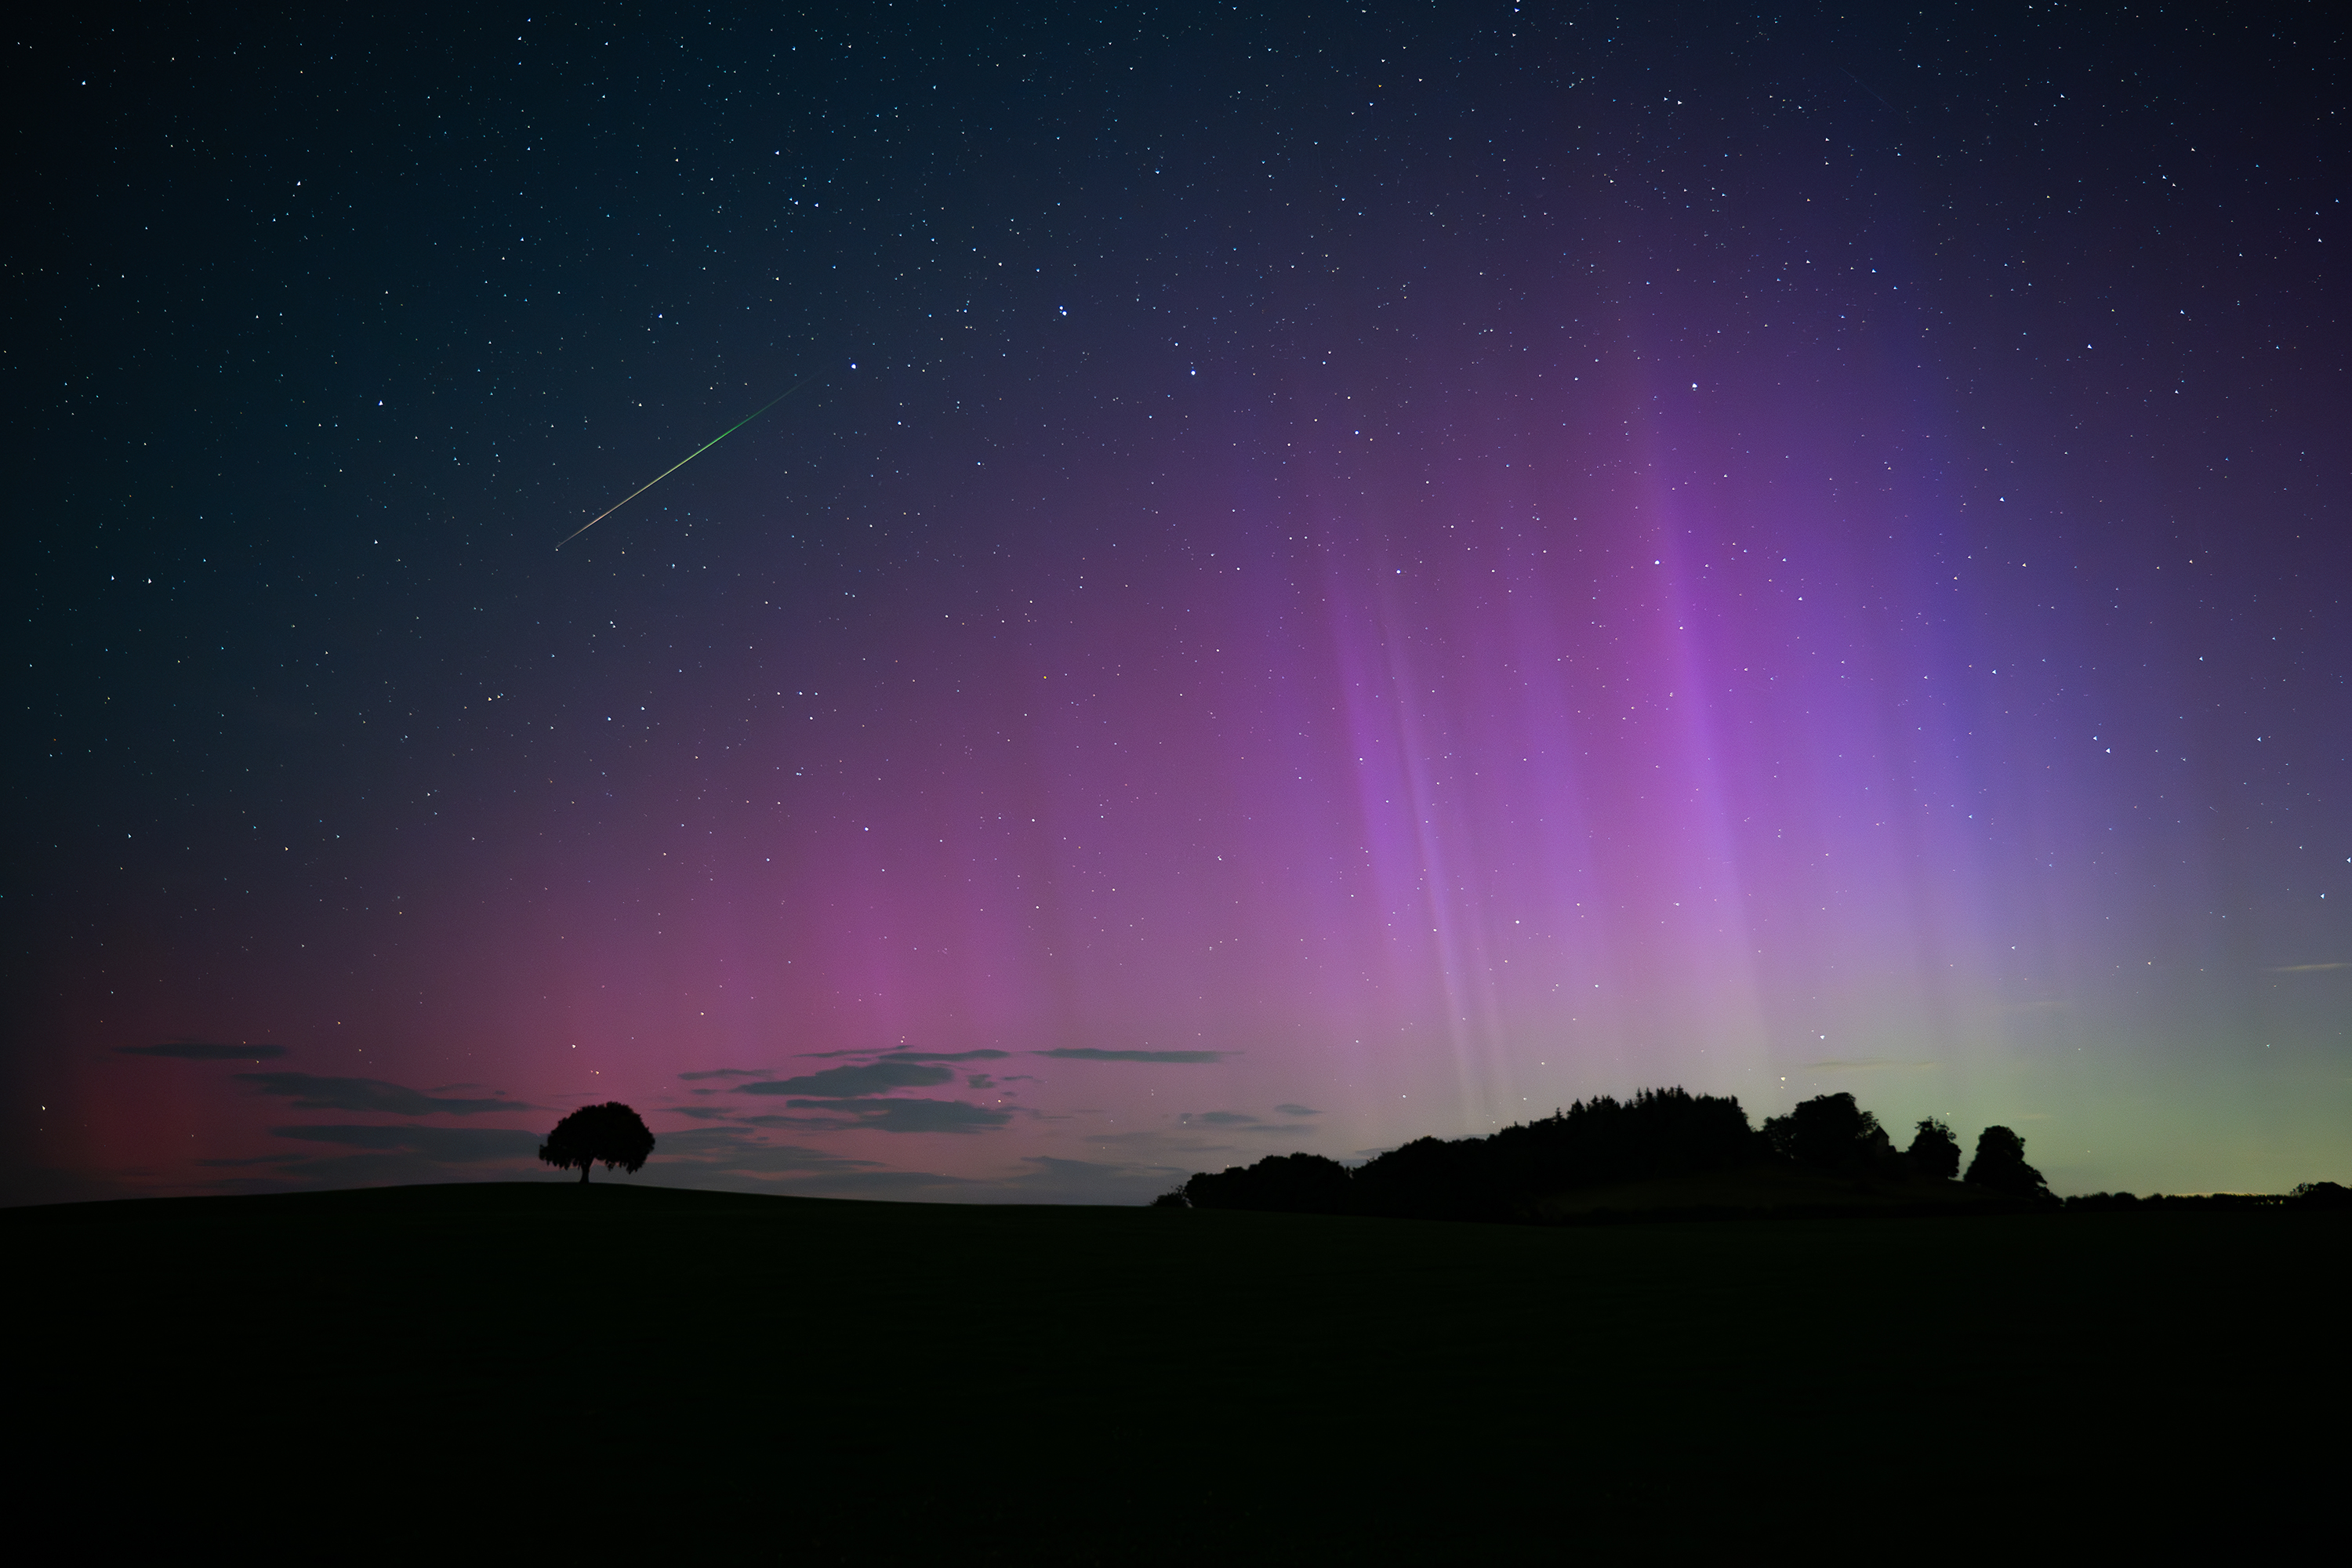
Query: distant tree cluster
pixel 2309 1195
pixel 1657 1133
pixel 1834 1136
pixel 1291 1183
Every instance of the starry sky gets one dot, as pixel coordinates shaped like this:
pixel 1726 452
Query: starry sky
pixel 1326 573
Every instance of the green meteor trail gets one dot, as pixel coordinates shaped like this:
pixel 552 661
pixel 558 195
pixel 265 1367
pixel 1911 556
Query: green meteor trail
pixel 683 461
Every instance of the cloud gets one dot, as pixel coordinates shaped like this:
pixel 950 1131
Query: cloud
pixel 979 1080
pixel 734 1149
pixel 1288 1110
pixel 805 1123
pixel 369 1168
pixel 888 1116
pixel 787 1159
pixel 921 1115
pixel 1180 1140
pixel 202 1051
pixel 1864 1064
pixel 853 1083
pixel 738 1160
pixel 722 1072
pixel 1088 1054
pixel 443 1145
pixel 2281 969
pixel 699 1112
pixel 309 1094
pixel 1218 1117
pixel 369 1156
pixel 980 1056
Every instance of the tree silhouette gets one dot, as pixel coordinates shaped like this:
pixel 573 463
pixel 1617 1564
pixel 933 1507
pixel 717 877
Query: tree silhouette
pixel 1658 1132
pixel 1280 1184
pixel 1935 1154
pixel 2000 1166
pixel 1830 1133
pixel 611 1133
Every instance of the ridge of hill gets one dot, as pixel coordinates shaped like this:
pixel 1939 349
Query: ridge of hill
pixel 392 1371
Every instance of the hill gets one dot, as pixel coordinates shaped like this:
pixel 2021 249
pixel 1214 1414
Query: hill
pixel 440 1368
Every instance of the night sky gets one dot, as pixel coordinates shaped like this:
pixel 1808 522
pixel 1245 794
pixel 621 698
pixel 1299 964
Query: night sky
pixel 1327 574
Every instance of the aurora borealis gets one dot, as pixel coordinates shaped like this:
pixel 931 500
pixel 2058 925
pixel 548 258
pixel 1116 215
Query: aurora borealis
pixel 1340 574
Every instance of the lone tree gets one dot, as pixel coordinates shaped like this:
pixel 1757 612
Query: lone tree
pixel 611 1133
pixel 2000 1166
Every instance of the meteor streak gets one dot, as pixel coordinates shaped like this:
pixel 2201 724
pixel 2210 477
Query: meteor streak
pixel 683 461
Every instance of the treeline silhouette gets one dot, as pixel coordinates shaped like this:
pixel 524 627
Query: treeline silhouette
pixel 2307 1195
pixel 1658 1134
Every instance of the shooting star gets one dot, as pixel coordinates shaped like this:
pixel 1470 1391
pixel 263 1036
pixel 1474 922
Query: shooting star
pixel 683 461
pixel 1870 89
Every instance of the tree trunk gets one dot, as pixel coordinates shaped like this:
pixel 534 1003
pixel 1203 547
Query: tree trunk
pixel 584 1166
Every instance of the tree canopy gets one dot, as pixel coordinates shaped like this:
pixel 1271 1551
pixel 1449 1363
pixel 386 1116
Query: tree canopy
pixel 2000 1166
pixel 1934 1151
pixel 1291 1183
pixel 1841 1157
pixel 611 1133
pixel 1830 1133
pixel 1658 1132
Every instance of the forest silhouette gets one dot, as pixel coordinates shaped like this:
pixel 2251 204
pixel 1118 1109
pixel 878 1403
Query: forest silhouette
pixel 1666 1152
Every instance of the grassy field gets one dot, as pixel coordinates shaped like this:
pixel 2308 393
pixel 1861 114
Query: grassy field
pixel 1764 1192
pixel 823 1380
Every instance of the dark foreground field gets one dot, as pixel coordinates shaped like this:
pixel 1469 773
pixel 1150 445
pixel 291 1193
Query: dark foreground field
pixel 623 1371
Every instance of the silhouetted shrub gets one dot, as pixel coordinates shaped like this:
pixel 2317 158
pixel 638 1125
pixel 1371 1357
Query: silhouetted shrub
pixel 1999 1166
pixel 1935 1154
pixel 611 1133
pixel 2101 1201
pixel 2321 1196
pixel 1173 1198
